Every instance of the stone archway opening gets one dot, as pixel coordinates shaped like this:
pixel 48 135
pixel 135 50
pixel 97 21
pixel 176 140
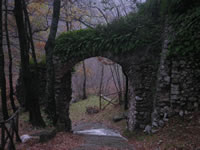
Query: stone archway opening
pixel 99 92
pixel 141 71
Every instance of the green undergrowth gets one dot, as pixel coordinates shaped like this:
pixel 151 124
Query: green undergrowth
pixel 78 113
pixel 78 109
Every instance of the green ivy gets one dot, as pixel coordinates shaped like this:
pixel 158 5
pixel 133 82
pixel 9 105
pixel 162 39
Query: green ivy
pixel 186 27
pixel 135 31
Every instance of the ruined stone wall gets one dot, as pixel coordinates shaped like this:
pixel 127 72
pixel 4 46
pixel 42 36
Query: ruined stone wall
pixel 185 85
pixel 140 66
pixel 159 87
pixel 178 85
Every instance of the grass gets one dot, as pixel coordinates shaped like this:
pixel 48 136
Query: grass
pixel 78 109
pixel 78 113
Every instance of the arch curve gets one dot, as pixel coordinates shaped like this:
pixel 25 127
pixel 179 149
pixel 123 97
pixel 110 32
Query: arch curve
pixel 141 71
pixel 138 55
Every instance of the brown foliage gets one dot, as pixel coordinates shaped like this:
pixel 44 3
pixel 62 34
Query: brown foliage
pixel 62 141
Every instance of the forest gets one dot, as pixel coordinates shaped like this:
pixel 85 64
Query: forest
pixel 70 66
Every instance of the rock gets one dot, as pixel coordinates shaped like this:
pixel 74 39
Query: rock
pixel 154 115
pixel 92 110
pixel 137 98
pixel 166 109
pixel 45 135
pixel 181 113
pixel 74 100
pixel 167 79
pixel 155 124
pixel 154 131
pixel 148 129
pixel 160 142
pixel 186 112
pixel 165 117
pixel 24 138
pixel 174 97
pixel 175 92
pixel 161 123
pixel 196 105
pixel 118 118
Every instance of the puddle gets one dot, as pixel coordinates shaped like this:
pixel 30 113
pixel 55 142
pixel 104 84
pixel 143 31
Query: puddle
pixel 100 132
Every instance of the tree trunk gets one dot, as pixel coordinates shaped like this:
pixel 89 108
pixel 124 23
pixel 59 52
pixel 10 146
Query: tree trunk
pixel 84 81
pixel 31 99
pixel 100 87
pixel 2 72
pixel 118 78
pixel 10 57
pixel 30 37
pixel 50 95
pixel 126 93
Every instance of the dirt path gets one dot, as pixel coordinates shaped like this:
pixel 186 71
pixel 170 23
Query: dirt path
pixel 97 142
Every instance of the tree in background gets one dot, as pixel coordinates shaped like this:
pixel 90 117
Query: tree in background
pixel 50 95
pixel 2 72
pixel 30 94
pixel 11 92
pixel 84 80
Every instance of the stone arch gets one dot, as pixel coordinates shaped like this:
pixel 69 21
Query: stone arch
pixel 141 68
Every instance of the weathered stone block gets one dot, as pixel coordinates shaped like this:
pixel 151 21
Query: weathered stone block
pixel 174 97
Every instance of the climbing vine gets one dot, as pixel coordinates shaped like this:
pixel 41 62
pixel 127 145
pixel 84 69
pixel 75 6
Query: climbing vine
pixel 138 31
pixel 133 32
pixel 186 26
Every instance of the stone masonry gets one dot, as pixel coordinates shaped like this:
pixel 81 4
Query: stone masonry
pixel 159 86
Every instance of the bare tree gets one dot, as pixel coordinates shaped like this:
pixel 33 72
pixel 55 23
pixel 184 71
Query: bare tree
pixel 90 13
pixel 100 86
pixel 50 95
pixel 84 81
pixel 10 57
pixel 31 99
pixel 2 74
pixel 126 92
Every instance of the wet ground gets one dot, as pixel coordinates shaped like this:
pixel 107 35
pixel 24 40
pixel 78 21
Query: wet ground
pixel 99 137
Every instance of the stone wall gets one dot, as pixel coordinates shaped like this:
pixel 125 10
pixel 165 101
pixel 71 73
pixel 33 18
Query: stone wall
pixel 141 68
pixel 185 85
pixel 178 85
pixel 159 86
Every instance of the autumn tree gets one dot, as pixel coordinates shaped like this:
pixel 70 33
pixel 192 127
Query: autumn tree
pixel 49 47
pixel 2 72
pixel 31 98
pixel 11 92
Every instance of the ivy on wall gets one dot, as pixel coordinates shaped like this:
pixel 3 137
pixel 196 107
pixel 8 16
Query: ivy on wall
pixel 138 31
pixel 134 32
pixel 186 26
